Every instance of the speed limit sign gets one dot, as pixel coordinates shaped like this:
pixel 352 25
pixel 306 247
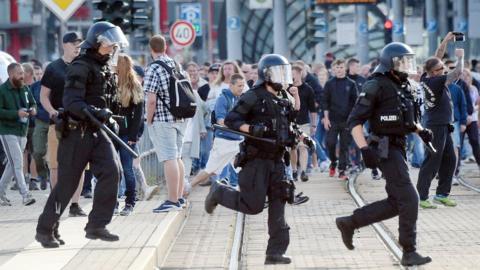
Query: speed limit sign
pixel 182 33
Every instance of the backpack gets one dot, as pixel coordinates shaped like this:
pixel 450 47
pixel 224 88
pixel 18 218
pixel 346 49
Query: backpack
pixel 182 100
pixel 213 118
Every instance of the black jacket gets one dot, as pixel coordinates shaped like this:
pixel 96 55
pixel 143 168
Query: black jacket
pixel 339 96
pixel 134 121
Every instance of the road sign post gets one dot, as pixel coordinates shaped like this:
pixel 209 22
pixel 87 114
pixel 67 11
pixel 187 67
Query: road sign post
pixel 63 9
pixel 182 33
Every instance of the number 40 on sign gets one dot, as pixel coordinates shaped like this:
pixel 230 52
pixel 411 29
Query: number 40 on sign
pixel 182 33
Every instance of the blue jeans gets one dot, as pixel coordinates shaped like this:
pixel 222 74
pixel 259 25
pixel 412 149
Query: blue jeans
pixel 418 152
pixel 320 141
pixel 129 175
pixel 205 147
pixel 230 173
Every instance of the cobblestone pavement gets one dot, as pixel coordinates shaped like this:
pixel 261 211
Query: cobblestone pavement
pixel 205 240
pixel 315 242
pixel 450 235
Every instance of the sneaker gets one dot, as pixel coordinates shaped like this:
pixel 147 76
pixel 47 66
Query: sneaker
pixel 295 175
pixel 102 234
pixel 427 205
pixel 168 206
pixel 342 175
pixel 43 183
pixel 445 200
pixel 76 211
pixel 277 259
pixel 33 185
pixel 224 181
pixel 28 200
pixel 413 258
pixel 183 202
pixel 127 210
pixel 376 175
pixel 324 165
pixel 331 173
pixel 455 181
pixel 304 176
pixel 4 201
pixel 115 210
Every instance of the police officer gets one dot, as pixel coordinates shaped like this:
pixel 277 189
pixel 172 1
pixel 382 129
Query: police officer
pixel 264 111
pixel 388 102
pixel 88 86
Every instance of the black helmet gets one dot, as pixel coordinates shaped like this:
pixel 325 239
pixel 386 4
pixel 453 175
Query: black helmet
pixel 274 68
pixel 397 56
pixel 104 32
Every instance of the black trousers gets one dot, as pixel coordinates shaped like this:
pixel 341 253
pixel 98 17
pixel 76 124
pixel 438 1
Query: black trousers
pixel 255 180
pixel 402 200
pixel 472 132
pixel 443 162
pixel 74 152
pixel 336 130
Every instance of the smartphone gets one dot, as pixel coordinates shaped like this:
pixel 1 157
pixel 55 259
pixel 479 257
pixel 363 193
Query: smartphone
pixel 458 36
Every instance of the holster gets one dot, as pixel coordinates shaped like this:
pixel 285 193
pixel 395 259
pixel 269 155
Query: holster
pixel 379 144
pixel 242 157
pixel 60 122
pixel 284 189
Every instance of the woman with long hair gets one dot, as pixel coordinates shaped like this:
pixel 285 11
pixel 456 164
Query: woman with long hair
pixel 130 105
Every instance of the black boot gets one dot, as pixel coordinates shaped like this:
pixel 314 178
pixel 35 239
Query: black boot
pixel 56 235
pixel 347 228
pixel 210 202
pixel 413 258
pixel 46 240
pixel 277 259
pixel 101 233
pixel 76 211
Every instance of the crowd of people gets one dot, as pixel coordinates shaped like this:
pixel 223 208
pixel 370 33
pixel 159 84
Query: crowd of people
pixel 193 149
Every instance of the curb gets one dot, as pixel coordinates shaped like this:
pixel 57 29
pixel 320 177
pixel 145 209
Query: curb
pixel 155 251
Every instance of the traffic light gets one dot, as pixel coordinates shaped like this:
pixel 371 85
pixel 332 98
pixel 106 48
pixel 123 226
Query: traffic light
pixel 138 14
pixel 387 30
pixel 128 15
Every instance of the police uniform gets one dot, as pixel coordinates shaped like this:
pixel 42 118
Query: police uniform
pixel 263 173
pixel 89 85
pixel 386 104
pixel 390 105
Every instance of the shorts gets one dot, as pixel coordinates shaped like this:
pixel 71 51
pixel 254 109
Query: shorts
pixel 223 152
pixel 305 128
pixel 167 139
pixel 52 148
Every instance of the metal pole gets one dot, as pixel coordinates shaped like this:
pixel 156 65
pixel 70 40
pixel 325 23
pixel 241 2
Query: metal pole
pixel 362 30
pixel 280 43
pixel 156 17
pixel 398 27
pixel 234 38
pixel 442 17
pixel 40 33
pixel 323 45
pixel 461 23
pixel 432 26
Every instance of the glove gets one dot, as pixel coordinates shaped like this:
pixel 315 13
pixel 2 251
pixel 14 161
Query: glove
pixel 370 158
pixel 257 130
pixel 101 114
pixel 426 135
pixel 451 128
pixel 309 143
pixel 113 126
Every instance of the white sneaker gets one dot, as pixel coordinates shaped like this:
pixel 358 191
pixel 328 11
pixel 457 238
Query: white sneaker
pixel 4 201
pixel 455 181
pixel 28 200
pixel 324 165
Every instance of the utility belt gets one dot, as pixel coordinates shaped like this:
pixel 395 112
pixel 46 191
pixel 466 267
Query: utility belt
pixel 249 152
pixel 73 124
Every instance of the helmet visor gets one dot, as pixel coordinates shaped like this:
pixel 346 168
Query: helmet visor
pixel 113 36
pixel 405 64
pixel 281 74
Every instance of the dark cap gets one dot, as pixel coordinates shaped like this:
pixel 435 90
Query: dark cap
pixel 71 37
pixel 214 67
pixel 139 70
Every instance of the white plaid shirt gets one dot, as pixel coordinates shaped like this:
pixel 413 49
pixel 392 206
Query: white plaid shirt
pixel 157 81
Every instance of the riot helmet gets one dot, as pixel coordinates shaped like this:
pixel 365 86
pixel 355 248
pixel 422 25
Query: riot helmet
pixel 397 57
pixel 274 70
pixel 106 34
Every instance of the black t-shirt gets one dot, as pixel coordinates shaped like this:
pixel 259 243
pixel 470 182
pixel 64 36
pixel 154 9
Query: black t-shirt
pixel 438 101
pixel 54 78
pixel 307 104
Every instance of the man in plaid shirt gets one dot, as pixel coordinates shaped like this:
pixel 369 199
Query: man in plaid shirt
pixel 166 132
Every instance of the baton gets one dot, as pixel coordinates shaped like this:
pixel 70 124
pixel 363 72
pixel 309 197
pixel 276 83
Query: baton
pixel 222 128
pixel 112 135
